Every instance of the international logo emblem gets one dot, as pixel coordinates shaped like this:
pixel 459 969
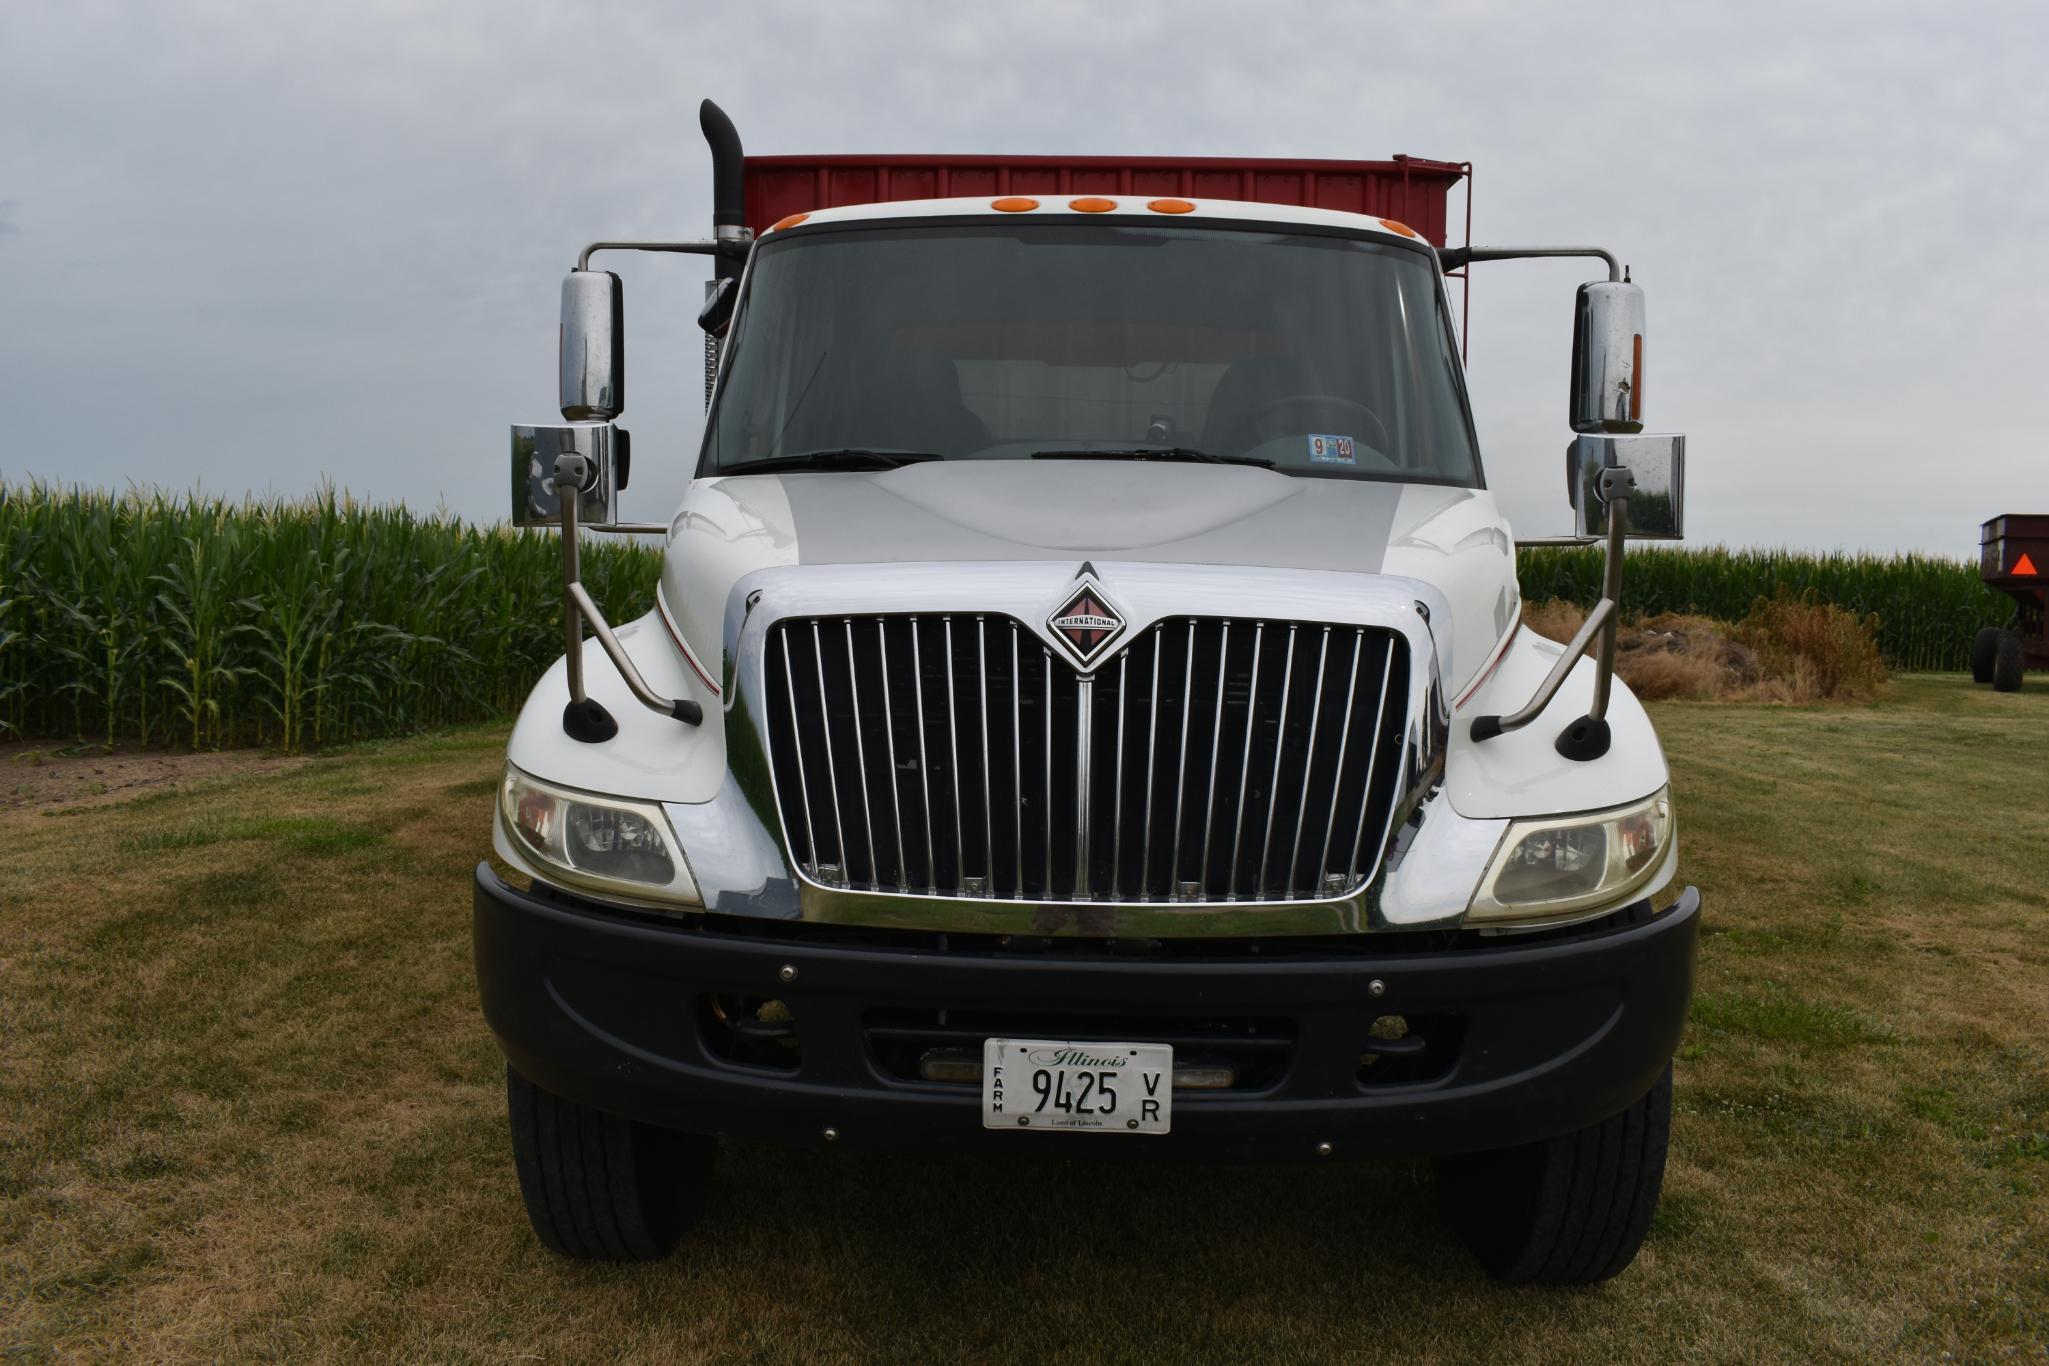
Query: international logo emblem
pixel 1085 620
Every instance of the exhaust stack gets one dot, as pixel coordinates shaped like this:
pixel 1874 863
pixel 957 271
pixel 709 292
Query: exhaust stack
pixel 728 209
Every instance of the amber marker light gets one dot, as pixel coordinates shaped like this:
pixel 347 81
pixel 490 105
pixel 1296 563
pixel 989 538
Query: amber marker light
pixel 1170 206
pixel 792 221
pixel 1403 228
pixel 1636 380
pixel 1014 204
pixel 1091 204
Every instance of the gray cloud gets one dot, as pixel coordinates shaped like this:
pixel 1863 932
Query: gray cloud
pixel 272 245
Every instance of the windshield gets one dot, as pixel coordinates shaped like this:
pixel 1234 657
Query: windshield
pixel 1318 355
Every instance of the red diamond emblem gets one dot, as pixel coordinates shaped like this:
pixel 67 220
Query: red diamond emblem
pixel 1087 622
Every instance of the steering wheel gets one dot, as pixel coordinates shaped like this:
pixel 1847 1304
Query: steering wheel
pixel 1328 403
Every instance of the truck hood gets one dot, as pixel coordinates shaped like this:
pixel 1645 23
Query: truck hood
pixel 1095 510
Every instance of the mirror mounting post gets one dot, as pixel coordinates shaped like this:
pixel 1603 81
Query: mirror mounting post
pixel 584 717
pixel 1588 737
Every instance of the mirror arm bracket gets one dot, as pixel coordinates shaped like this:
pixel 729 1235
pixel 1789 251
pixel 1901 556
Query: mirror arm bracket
pixel 1487 727
pixel 585 718
pixel 1455 258
pixel 583 260
pixel 1588 737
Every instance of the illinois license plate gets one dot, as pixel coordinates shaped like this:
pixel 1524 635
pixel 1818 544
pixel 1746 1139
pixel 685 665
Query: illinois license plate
pixel 1110 1088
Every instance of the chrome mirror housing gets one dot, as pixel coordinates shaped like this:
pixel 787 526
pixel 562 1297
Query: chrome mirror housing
pixel 593 341
pixel 1657 465
pixel 535 501
pixel 1607 358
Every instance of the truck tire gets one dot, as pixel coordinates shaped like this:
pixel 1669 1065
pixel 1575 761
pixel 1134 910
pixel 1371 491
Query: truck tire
pixel 601 1188
pixel 1570 1210
pixel 2009 662
pixel 1982 651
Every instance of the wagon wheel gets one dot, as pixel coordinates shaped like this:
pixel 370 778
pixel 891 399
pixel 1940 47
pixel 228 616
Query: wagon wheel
pixel 1982 651
pixel 2008 663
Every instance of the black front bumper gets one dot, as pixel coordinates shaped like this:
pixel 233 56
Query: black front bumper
pixel 1522 1039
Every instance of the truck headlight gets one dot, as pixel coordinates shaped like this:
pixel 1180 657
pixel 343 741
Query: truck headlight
pixel 1549 868
pixel 588 840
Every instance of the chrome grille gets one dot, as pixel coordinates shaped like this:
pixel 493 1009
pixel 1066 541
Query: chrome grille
pixel 1210 760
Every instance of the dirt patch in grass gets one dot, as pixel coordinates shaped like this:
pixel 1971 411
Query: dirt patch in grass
pixel 1788 649
pixel 53 776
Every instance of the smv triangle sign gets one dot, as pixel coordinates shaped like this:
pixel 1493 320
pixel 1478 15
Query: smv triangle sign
pixel 2024 565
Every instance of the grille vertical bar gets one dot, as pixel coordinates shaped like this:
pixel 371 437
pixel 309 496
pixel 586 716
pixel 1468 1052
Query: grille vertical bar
pixel 1372 762
pixel 988 803
pixel 1245 762
pixel 1295 727
pixel 1273 788
pixel 1344 742
pixel 862 772
pixel 1017 758
pixel 960 839
pixel 1049 821
pixel 1216 747
pixel 1152 736
pixel 896 801
pixel 1315 715
pixel 1117 794
pixel 1181 772
pixel 924 762
pixel 832 776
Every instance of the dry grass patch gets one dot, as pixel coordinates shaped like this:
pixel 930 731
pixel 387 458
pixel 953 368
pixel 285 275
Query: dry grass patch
pixel 1788 649
pixel 249 1109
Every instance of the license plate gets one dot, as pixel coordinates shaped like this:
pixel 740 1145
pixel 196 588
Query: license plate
pixel 1110 1088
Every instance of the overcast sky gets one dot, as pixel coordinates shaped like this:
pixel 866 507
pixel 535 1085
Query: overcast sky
pixel 256 246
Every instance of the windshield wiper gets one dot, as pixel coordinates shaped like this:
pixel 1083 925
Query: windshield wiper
pixel 836 458
pixel 1188 453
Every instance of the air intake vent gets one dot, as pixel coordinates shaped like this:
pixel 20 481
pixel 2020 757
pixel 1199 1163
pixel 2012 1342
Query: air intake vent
pixel 1210 760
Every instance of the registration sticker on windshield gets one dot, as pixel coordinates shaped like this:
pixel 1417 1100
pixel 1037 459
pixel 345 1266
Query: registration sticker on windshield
pixel 1325 449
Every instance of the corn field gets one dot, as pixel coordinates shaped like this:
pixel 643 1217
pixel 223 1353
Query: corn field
pixel 198 622
pixel 1928 608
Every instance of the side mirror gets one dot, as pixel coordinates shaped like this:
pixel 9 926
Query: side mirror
pixel 593 341
pixel 1658 466
pixel 535 501
pixel 1607 358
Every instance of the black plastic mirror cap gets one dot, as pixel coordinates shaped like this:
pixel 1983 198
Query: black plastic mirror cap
pixel 717 314
pixel 588 721
pixel 1585 739
pixel 728 166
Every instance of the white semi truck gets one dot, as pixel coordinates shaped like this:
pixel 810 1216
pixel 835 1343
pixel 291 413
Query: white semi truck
pixel 1085 709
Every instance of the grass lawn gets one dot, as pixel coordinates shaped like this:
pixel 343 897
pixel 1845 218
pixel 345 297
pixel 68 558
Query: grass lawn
pixel 248 1107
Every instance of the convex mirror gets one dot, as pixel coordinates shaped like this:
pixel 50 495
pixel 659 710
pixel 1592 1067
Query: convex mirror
pixel 535 449
pixel 1658 465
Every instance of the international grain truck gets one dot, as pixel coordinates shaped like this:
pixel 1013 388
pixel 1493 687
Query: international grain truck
pixel 1086 711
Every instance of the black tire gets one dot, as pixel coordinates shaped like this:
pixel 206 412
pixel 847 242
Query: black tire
pixel 1570 1210
pixel 2009 662
pixel 601 1188
pixel 1983 648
